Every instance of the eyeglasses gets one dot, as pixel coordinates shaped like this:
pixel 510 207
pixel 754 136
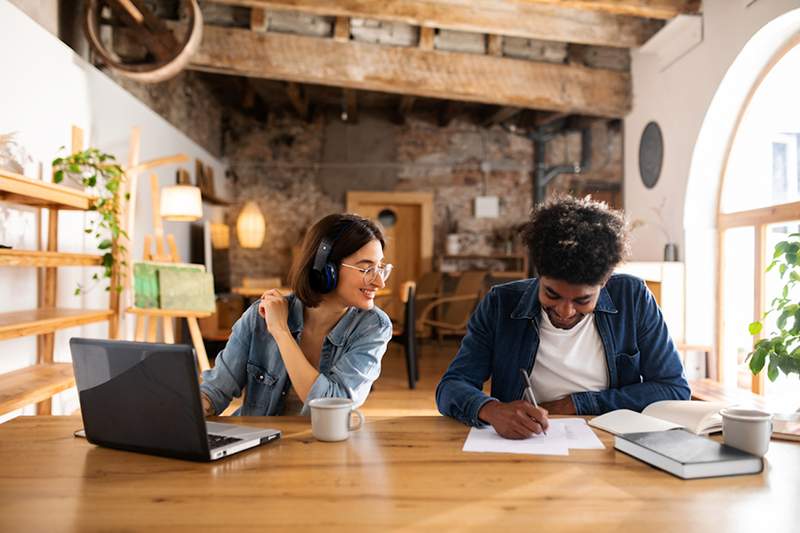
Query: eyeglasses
pixel 371 274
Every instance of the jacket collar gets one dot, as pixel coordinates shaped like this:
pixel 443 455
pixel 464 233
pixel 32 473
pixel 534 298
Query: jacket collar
pixel 529 308
pixel 336 336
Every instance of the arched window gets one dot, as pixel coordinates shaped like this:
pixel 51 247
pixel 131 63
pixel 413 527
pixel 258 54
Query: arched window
pixel 759 206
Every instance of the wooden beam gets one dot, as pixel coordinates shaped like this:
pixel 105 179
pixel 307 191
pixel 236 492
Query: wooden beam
pixel 258 19
pixel 299 100
pixel 430 73
pixel 427 38
pixel 520 18
pixel 350 113
pixel 341 31
pixel 494 45
pixel 500 115
pixel 403 109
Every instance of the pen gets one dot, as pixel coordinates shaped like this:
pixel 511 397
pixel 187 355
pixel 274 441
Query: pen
pixel 528 392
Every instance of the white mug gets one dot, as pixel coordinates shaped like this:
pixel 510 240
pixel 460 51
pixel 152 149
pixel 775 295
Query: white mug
pixel 331 418
pixel 747 429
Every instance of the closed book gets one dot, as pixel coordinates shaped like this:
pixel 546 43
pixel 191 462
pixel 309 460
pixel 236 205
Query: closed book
pixel 686 455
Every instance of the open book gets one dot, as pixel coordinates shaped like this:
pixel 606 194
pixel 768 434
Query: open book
pixel 698 417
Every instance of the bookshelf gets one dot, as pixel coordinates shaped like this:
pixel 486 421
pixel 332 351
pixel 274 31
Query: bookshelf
pixel 39 382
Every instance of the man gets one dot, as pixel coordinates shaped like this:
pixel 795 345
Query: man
pixel 590 341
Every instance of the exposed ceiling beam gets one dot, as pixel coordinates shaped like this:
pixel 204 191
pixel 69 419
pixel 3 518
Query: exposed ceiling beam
pixel 403 109
pixel 350 107
pixel 500 115
pixel 655 9
pixel 299 100
pixel 520 18
pixel 431 73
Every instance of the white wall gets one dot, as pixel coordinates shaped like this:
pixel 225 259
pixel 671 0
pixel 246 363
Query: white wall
pixel 678 97
pixel 46 88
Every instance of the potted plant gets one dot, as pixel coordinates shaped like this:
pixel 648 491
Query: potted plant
pixel 780 350
pixel 99 173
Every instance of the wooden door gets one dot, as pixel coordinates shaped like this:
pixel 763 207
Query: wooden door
pixel 408 228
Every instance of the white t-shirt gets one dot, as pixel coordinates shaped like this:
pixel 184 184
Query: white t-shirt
pixel 568 360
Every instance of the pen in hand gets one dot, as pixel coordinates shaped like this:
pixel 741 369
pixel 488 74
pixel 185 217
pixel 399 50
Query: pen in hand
pixel 528 392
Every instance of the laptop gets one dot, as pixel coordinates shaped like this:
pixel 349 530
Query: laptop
pixel 145 397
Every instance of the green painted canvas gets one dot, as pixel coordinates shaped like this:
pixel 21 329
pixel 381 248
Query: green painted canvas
pixel 146 291
pixel 186 290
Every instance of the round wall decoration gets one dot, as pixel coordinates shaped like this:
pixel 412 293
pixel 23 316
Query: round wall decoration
pixel 651 154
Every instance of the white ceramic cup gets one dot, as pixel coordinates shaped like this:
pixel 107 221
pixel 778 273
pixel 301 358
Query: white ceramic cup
pixel 747 429
pixel 331 418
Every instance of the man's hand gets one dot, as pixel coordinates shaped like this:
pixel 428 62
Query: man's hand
pixel 564 406
pixel 515 420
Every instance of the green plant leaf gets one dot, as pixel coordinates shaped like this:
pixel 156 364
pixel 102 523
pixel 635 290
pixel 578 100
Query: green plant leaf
pixel 104 244
pixel 772 369
pixel 757 360
pixel 755 328
pixel 780 248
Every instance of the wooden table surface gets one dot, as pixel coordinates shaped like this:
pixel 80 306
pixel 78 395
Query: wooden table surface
pixel 397 474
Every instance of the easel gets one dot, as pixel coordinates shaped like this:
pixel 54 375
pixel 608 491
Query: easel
pixel 162 244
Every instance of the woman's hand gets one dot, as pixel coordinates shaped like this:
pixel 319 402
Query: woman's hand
pixel 275 310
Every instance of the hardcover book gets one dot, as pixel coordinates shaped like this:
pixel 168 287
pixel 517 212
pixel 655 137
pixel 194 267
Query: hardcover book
pixel 686 455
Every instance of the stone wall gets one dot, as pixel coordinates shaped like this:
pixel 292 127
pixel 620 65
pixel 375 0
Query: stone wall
pixel 299 172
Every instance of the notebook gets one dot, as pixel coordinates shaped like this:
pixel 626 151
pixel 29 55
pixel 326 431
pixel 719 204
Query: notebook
pixel 686 455
pixel 698 417
pixel 786 427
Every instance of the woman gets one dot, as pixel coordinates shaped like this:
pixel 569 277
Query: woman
pixel 326 339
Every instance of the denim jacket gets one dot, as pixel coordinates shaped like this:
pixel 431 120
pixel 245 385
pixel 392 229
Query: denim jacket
pixel 503 336
pixel 350 361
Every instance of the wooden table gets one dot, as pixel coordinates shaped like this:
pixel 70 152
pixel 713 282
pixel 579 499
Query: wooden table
pixel 398 474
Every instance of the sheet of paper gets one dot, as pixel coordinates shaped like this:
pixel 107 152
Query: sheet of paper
pixel 487 440
pixel 579 435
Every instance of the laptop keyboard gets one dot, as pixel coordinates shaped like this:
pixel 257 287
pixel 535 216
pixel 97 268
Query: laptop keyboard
pixel 215 441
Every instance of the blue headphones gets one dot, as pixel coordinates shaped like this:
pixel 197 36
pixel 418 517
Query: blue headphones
pixel 324 275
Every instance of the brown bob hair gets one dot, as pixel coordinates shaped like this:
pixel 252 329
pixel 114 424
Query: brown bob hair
pixel 348 233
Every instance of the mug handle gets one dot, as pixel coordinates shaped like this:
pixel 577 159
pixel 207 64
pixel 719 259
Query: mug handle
pixel 350 425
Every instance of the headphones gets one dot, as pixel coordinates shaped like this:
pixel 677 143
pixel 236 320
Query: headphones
pixel 324 275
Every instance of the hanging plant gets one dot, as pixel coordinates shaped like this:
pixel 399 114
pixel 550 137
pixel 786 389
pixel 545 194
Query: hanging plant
pixel 99 173
pixel 780 351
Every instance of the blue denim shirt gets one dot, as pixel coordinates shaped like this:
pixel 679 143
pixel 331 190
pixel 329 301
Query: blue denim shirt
pixel 350 361
pixel 503 336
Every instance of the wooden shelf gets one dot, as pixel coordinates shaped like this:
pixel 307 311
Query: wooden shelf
pixel 33 384
pixel 26 191
pixel 39 321
pixel 31 258
pixel 179 313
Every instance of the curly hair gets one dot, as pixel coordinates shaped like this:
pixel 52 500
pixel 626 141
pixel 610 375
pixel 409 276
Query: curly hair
pixel 576 240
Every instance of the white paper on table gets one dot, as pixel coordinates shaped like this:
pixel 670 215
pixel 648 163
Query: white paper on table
pixel 487 440
pixel 579 435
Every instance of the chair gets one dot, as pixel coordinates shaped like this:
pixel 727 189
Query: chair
pixel 458 306
pixel 407 334
pixel 429 288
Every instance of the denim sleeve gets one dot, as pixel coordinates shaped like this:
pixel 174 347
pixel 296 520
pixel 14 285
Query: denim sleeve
pixel 660 366
pixel 229 375
pixel 460 391
pixel 352 375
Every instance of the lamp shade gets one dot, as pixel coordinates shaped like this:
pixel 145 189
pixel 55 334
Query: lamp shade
pixel 250 226
pixel 220 236
pixel 181 203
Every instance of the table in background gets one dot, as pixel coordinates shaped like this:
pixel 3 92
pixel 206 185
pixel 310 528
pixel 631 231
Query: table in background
pixel 396 473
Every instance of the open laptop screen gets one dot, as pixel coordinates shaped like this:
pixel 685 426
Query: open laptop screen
pixel 140 396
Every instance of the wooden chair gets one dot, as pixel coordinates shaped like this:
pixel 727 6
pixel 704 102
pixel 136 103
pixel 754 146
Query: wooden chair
pixel 455 308
pixel 406 333
pixel 429 288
